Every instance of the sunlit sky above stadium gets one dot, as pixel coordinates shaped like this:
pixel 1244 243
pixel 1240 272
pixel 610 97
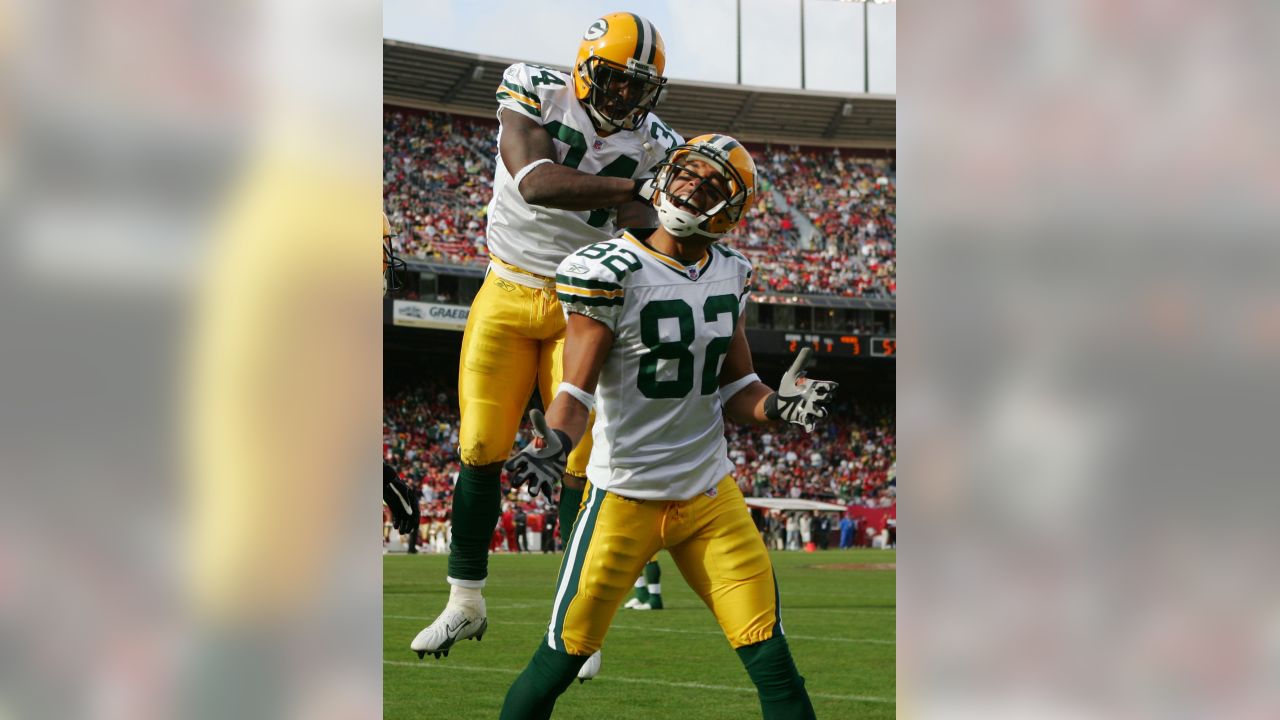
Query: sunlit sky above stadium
pixel 700 36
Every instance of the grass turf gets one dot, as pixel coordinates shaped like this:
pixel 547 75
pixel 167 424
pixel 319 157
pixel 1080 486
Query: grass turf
pixel 674 663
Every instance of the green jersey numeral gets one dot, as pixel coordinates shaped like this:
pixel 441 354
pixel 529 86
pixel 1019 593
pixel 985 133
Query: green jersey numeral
pixel 546 77
pixel 678 350
pixel 619 260
pixel 712 309
pixel 621 167
pixel 661 132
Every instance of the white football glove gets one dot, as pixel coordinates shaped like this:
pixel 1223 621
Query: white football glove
pixel 540 463
pixel 645 188
pixel 799 400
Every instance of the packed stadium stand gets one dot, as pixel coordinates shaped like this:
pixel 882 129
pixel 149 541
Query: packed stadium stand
pixel 850 459
pixel 825 223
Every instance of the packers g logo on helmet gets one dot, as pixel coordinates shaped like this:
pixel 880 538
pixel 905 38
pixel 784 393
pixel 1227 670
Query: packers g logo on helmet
pixel 618 71
pixel 597 30
pixel 727 197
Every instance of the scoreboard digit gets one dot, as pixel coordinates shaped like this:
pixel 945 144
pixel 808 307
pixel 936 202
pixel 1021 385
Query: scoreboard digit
pixel 846 346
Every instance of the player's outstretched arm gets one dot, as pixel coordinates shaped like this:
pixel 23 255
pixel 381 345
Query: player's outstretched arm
pixel 741 393
pixel 798 400
pixel 524 142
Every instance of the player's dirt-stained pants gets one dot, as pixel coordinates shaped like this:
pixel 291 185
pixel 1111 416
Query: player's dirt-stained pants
pixel 514 338
pixel 712 540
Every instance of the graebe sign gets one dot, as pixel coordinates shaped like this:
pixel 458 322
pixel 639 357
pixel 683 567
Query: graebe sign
pixel 411 313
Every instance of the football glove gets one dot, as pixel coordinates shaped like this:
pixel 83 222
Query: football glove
pixel 540 464
pixel 645 187
pixel 402 501
pixel 799 400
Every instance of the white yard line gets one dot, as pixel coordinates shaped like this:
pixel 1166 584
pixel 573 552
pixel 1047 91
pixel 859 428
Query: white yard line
pixel 635 681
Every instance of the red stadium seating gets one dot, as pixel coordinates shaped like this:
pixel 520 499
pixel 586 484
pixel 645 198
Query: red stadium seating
pixel 438 171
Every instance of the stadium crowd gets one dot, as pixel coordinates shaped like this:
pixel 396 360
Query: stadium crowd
pixel 849 460
pixel 438 174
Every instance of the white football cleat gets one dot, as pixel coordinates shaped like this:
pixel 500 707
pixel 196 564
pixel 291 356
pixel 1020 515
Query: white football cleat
pixel 457 622
pixel 632 603
pixel 590 668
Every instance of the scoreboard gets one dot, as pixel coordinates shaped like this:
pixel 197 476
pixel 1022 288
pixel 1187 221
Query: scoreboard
pixel 838 345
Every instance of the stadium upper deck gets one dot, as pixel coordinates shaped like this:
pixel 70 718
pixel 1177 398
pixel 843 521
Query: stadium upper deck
pixel 462 83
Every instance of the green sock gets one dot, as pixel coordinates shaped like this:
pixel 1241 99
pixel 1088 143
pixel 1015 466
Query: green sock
pixel 477 503
pixel 653 578
pixel 778 682
pixel 570 501
pixel 533 695
pixel 642 589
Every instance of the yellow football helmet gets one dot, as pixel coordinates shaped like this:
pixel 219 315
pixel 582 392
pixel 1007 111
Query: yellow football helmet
pixel 390 263
pixel 618 71
pixel 728 194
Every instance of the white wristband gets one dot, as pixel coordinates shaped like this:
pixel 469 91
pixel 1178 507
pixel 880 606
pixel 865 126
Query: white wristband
pixel 735 387
pixel 525 171
pixel 578 394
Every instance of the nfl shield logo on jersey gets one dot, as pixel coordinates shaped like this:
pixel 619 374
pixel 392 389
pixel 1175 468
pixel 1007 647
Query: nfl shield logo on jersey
pixel 693 272
pixel 597 144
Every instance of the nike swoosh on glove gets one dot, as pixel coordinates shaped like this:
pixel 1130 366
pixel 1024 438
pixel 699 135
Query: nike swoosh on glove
pixel 402 501
pixel 799 400
pixel 540 464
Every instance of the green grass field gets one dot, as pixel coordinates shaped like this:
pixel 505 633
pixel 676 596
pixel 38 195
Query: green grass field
pixel 674 663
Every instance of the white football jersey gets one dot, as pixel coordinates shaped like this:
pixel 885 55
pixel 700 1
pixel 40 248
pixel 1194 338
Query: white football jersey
pixel 537 238
pixel 659 429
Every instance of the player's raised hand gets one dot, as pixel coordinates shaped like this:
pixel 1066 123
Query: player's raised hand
pixel 540 463
pixel 799 400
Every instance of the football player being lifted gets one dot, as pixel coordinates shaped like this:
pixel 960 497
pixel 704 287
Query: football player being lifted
pixel 656 346
pixel 576 151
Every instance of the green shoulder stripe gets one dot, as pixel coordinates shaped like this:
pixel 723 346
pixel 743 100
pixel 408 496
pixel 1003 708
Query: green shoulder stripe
pixel 589 301
pixel 587 283
pixel 730 252
pixel 521 91
pixel 502 95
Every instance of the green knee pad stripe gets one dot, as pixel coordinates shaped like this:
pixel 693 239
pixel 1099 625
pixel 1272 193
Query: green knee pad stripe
pixel 570 502
pixel 777 607
pixel 571 567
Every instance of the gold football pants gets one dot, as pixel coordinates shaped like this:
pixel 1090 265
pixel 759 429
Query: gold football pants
pixel 713 541
pixel 514 339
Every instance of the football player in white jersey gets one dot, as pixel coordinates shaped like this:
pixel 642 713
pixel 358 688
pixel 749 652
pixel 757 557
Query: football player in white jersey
pixel 574 152
pixel 657 347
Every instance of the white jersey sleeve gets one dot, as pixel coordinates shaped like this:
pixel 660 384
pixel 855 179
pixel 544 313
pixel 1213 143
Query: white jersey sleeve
pixel 590 282
pixel 518 90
